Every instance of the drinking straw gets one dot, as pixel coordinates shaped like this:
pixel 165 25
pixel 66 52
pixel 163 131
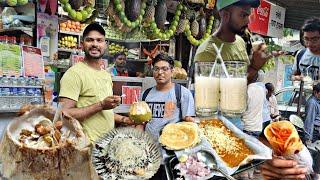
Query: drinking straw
pixel 220 57
pixel 135 96
pixel 215 62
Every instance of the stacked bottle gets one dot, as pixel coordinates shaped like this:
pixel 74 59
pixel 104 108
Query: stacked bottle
pixel 17 91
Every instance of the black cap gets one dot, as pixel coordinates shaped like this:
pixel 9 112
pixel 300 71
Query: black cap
pixel 94 27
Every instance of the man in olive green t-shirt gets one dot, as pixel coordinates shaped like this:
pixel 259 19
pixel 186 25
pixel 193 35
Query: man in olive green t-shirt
pixel 86 89
pixel 234 20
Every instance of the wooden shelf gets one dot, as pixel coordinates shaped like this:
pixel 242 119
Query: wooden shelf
pixel 25 30
pixel 70 33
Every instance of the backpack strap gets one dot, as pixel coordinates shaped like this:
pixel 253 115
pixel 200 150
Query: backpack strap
pixel 145 94
pixel 177 90
pixel 299 57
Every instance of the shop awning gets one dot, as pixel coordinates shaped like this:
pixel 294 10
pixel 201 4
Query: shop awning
pixel 298 10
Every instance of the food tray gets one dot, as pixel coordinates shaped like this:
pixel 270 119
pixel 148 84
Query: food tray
pixel 261 152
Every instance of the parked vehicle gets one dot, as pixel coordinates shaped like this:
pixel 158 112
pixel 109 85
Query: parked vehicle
pixel 288 98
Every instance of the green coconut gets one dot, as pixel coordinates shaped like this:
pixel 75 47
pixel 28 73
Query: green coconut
pixel 140 112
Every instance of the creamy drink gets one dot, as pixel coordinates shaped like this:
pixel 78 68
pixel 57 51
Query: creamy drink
pixel 206 95
pixel 233 95
pixel 206 88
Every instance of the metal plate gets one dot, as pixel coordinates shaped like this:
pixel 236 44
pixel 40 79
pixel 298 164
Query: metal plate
pixel 108 168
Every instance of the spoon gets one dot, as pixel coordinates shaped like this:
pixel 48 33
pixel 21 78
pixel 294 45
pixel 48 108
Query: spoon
pixel 211 162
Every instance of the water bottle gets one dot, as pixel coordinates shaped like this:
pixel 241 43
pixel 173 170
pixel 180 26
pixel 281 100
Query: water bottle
pixel 37 81
pixel 22 92
pixel 38 97
pixel 30 91
pixel 22 81
pixel 5 91
pixel 4 81
pixel 30 81
pixel 13 81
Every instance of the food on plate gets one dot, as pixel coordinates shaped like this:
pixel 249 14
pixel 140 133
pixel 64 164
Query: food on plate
pixel 179 136
pixel 193 168
pixel 284 138
pixel 231 149
pixel 140 112
pixel 126 153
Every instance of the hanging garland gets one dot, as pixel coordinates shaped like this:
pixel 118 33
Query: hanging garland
pixel 123 17
pixel 81 15
pixel 192 39
pixel 167 34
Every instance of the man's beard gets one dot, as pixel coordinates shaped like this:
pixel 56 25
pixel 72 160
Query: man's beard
pixel 239 32
pixel 87 54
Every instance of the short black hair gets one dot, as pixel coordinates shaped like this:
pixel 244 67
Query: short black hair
pixel 163 57
pixel 269 86
pixel 118 54
pixel 93 27
pixel 311 25
pixel 316 88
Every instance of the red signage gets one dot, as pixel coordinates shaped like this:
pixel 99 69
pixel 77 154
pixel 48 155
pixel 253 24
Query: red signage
pixel 267 19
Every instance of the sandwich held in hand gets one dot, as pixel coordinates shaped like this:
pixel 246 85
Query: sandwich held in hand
pixel 283 138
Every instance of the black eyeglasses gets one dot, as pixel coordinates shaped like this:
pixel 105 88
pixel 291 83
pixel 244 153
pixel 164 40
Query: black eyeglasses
pixel 163 69
pixel 311 40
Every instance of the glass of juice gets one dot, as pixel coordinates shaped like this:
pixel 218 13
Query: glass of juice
pixel 233 89
pixel 206 88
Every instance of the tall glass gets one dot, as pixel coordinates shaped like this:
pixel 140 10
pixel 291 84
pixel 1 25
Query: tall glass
pixel 206 88
pixel 233 89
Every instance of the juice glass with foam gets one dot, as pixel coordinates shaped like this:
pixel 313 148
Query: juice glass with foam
pixel 233 89
pixel 206 88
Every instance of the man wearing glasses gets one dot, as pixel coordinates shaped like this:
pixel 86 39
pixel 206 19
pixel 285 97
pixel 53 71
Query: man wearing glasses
pixel 86 89
pixel 308 60
pixel 169 102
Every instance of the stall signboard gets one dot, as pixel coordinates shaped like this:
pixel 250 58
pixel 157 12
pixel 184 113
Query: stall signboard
pixel 132 94
pixel 10 60
pixel 76 58
pixel 267 19
pixel 33 62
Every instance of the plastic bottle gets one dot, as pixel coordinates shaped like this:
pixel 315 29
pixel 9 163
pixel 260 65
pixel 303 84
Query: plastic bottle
pixel 4 80
pixel 5 91
pixel 30 91
pixel 38 96
pixel 13 81
pixel 22 81
pixel 37 81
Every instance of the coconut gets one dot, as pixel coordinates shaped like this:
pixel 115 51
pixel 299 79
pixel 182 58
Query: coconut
pixel 140 112
pixel 59 154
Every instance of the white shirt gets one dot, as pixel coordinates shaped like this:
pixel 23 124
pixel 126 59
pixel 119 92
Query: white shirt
pixel 273 105
pixel 252 117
